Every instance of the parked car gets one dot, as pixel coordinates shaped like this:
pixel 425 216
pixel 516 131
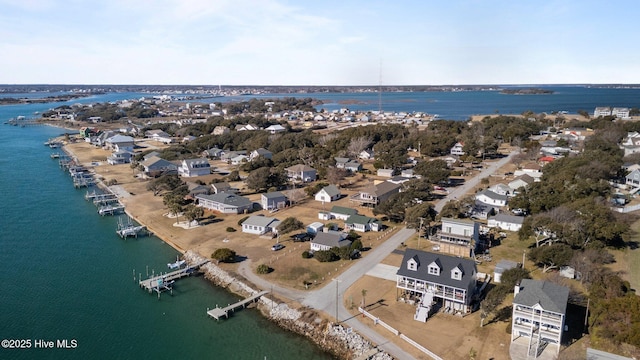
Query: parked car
pixel 277 247
pixel 301 237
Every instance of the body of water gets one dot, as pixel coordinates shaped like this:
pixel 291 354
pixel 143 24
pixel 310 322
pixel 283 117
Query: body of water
pixel 66 275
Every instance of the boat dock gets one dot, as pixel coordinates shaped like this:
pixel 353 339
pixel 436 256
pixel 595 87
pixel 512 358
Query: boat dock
pixel 111 209
pixel 164 282
pixel 129 229
pixel 219 312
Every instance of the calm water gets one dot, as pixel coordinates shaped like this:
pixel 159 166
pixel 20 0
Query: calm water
pixel 65 274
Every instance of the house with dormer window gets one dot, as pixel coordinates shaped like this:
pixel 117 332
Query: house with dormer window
pixel 194 167
pixel 429 278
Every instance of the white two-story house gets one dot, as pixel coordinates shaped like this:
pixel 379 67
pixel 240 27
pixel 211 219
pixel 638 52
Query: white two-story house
pixel 539 314
pixel 194 167
pixel 458 237
pixel 428 277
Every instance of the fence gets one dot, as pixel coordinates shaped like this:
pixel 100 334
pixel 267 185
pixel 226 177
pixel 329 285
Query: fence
pixel 377 321
pixel 626 209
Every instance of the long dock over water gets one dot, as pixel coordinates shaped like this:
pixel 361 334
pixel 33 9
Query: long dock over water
pixel 164 282
pixel 219 312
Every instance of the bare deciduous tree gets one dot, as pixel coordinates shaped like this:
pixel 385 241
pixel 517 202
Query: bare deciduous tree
pixel 358 145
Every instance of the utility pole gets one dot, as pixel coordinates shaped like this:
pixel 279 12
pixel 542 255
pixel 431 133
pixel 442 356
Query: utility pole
pixel 420 232
pixel 337 301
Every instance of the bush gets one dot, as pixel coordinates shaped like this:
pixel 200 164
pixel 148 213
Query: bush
pixel 263 269
pixel 242 220
pixel 231 229
pixel 224 255
pixel 325 256
pixel 306 255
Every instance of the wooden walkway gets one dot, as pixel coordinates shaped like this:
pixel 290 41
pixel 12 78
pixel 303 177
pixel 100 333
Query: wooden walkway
pixel 163 282
pixel 218 312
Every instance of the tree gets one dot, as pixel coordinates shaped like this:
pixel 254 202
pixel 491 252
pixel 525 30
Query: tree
pixel 289 224
pixel 416 214
pixel 193 213
pixel 263 269
pixel 335 175
pixel 296 195
pixel 511 277
pixel 551 256
pixel 264 178
pixel 434 171
pixel 224 255
pixel 364 293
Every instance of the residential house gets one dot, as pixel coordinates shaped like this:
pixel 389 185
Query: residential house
pixel 506 222
pixel 274 129
pixel 220 130
pixel 408 173
pixel 342 213
pixel 539 314
pixel 490 198
pixel 159 135
pixel 447 280
pixel 501 267
pixel 602 111
pixel 228 155
pixel 196 189
pixel 260 152
pixel 375 194
pixel 366 154
pixel 501 189
pixel 521 181
pixel 315 228
pixel 247 127
pixel 120 142
pixel 458 237
pixel 385 172
pixel 301 172
pixel 194 167
pixel 225 187
pixel 329 239
pixel 273 200
pixel 213 153
pixel 225 203
pixel 532 169
pixel 348 164
pixel 260 225
pixel 150 155
pixel 362 223
pixel 620 113
pixel 328 193
pixel 155 166
pixel 240 159
pixel 633 179
pixel 631 144
pixel 120 157
pixel 456 149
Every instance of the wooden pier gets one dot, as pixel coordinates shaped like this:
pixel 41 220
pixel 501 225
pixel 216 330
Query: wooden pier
pixel 219 312
pixel 164 282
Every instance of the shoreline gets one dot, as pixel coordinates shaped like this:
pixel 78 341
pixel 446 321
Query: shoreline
pixel 329 337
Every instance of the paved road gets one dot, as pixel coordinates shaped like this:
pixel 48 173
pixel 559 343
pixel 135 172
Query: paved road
pixel 324 298
pixel 462 190
pixel 329 298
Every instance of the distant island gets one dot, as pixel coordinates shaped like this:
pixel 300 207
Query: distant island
pixel 56 98
pixel 526 91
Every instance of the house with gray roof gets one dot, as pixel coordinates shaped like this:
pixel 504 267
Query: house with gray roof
pixel 501 267
pixel 225 203
pixel 120 142
pixel 155 166
pixel 362 223
pixel 539 314
pixel 506 222
pixel 260 225
pixel 120 157
pixel 301 172
pixel 521 181
pixel 273 200
pixel 458 237
pixel 225 187
pixel 429 277
pixel 375 194
pixel 490 198
pixel 348 164
pixel 328 193
pixel 194 167
pixel 213 153
pixel 328 240
pixel 260 152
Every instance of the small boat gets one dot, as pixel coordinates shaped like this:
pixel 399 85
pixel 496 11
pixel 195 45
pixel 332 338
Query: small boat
pixel 55 156
pixel 176 265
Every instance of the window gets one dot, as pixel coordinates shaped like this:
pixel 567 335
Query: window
pixel 456 274
pixel 434 270
pixel 412 265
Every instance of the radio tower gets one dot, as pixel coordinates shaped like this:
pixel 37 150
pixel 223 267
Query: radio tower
pixel 380 90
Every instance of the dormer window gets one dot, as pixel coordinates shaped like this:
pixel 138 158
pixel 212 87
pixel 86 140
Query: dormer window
pixel 412 264
pixel 456 273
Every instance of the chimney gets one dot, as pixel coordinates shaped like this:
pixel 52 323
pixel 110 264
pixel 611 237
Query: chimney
pixel 516 289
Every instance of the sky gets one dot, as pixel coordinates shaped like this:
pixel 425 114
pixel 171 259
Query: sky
pixel 310 42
